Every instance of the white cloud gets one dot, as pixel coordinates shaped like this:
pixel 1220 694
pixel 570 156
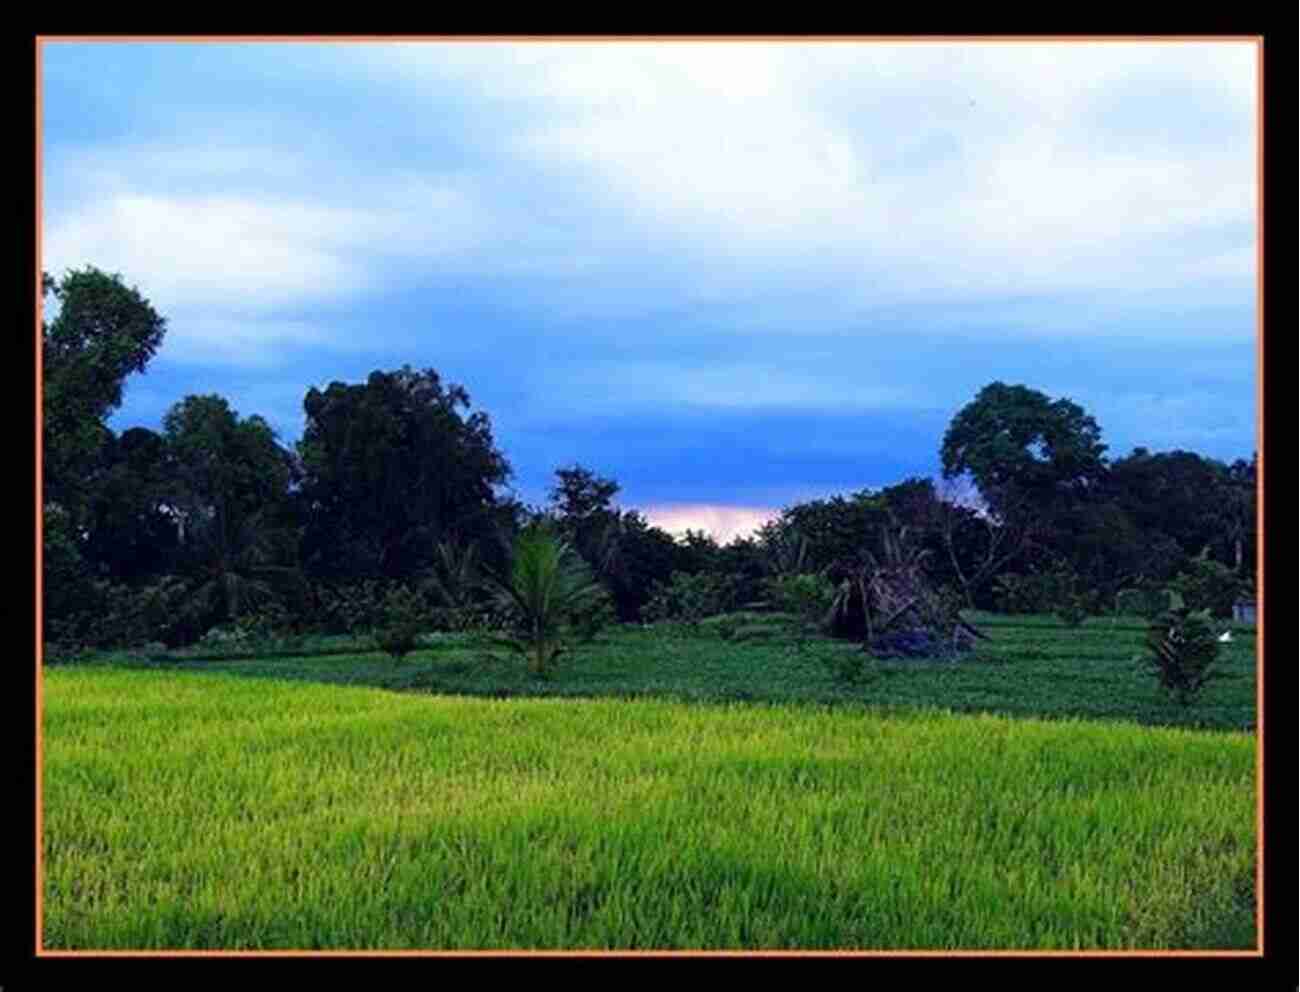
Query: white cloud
pixel 692 172
pixel 217 250
pixel 907 169
pixel 224 266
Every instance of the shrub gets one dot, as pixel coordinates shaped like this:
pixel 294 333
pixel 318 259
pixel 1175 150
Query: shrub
pixel 850 667
pixel 807 597
pixel 403 617
pixel 226 637
pixel 113 615
pixel 1208 585
pixel 1148 602
pixel 352 608
pixel 1183 646
pixel 1036 592
pixel 591 615
pixel 267 624
pixel 1073 611
pixel 691 598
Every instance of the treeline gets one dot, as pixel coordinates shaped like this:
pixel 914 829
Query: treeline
pixel 398 489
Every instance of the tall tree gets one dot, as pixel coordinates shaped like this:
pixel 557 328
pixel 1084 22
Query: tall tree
pixel 391 467
pixel 1015 442
pixel 230 484
pixel 582 506
pixel 102 332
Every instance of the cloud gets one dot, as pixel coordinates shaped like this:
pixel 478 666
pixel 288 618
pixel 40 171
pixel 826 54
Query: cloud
pixel 723 522
pixel 590 180
pixel 740 271
pixel 897 170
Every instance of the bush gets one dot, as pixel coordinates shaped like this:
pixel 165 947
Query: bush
pixel 592 615
pixel 113 615
pixel 850 667
pixel 226 637
pixel 350 609
pixel 402 620
pixel 1148 603
pixel 691 598
pixel 1183 646
pixel 1036 592
pixel 1073 611
pixel 1209 585
pixel 807 597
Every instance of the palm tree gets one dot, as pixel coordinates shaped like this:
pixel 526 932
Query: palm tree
pixel 454 577
pixel 547 580
pixel 237 562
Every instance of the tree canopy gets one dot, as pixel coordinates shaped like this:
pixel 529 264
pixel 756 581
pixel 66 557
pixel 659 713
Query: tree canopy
pixel 390 468
pixel 1016 442
pixel 102 331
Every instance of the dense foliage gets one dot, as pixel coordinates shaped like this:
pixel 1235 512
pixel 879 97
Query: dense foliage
pixel 164 535
pixel 390 468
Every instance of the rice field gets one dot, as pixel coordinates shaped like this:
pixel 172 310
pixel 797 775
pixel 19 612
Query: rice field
pixel 207 810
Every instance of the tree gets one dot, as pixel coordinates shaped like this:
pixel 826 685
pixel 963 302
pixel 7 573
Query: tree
pixel 392 467
pixel 101 333
pixel 1015 442
pixel 582 508
pixel 230 483
pixel 646 556
pixel 547 582
pixel 131 528
pixel 1195 501
pixel 1240 513
pixel 830 535
pixel 579 494
pixel 976 545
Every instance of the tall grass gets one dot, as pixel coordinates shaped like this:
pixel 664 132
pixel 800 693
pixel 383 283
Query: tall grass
pixel 210 811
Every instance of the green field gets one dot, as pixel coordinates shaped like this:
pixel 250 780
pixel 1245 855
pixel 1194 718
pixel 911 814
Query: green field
pixel 1031 666
pixel 261 804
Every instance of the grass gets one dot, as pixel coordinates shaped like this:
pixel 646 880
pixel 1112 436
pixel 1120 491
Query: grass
pixel 187 810
pixel 1032 666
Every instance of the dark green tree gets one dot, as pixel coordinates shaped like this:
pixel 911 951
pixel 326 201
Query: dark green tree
pixel 230 494
pixel 132 533
pixel 832 536
pixel 102 331
pixel 582 507
pixel 1016 442
pixel 1194 501
pixel 392 467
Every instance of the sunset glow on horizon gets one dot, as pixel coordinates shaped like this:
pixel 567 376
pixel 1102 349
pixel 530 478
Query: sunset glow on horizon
pixel 723 522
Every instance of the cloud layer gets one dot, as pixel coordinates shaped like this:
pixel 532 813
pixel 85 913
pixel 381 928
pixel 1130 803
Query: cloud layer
pixel 637 253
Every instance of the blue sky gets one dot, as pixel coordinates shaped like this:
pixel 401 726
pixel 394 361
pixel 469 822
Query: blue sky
pixel 729 275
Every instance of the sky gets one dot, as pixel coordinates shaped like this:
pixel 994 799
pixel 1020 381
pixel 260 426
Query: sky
pixel 730 275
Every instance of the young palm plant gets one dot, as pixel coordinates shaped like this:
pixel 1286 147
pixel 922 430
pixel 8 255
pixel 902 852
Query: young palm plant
pixel 547 581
